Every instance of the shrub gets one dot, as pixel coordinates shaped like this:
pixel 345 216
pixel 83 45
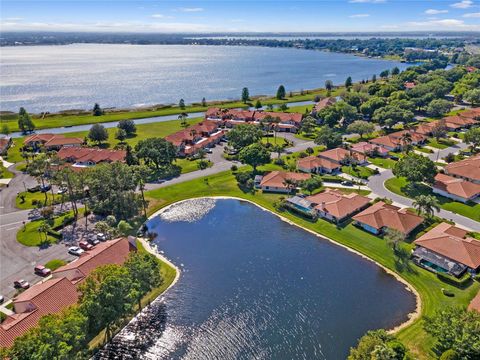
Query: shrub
pixel 279 162
pixel 449 355
pixel 243 177
pixel 234 168
pixel 460 282
pixel 203 164
pixel 302 155
pixel 448 293
pixel 449 158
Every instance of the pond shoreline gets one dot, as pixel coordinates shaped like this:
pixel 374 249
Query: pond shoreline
pixel 412 317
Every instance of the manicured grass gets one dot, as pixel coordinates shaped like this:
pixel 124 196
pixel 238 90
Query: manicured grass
pixel 4 173
pixel 189 165
pixel 383 163
pixel 277 140
pixel 14 155
pixel 30 236
pixel 35 197
pixel 55 264
pixel 399 186
pixel 426 283
pixel 423 150
pixel 361 172
pixel 441 143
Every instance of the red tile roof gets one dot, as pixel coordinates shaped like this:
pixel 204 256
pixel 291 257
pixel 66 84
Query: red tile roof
pixel 94 155
pixel 277 178
pixel 468 168
pixel 337 203
pixel 109 252
pixel 192 132
pixel 322 104
pixel 461 121
pixel 313 162
pixel 409 85
pixel 455 186
pixel 366 148
pixel 248 115
pixel 52 140
pixel 49 297
pixel 472 113
pixel 283 117
pixel 395 139
pixel 475 303
pixel 382 215
pixel 448 240
pixel 339 154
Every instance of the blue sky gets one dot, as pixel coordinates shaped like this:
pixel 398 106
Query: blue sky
pixel 233 16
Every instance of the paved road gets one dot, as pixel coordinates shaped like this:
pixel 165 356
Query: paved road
pixel 440 154
pixel 18 184
pixel 376 184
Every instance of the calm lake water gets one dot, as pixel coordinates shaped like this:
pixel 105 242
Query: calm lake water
pixel 255 287
pixel 52 78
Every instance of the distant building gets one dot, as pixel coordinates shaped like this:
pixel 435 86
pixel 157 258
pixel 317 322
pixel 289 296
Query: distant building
pixel 324 103
pixel 5 143
pixel 275 181
pixel 368 149
pixel 455 188
pixel 316 165
pixel 343 156
pixel 395 142
pixel 468 169
pixel 51 141
pixel 85 157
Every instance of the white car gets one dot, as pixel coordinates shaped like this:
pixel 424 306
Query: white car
pixel 75 250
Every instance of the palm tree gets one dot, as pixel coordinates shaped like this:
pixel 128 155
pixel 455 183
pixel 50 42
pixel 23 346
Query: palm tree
pixel 291 184
pixel 183 117
pixel 406 140
pixel 393 238
pixel 426 204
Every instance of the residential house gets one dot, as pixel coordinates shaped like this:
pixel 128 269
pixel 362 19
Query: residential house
pixel 5 143
pixel 368 149
pixel 284 122
pixel 85 157
pixel 456 122
pixel 276 181
pixel 324 103
pixel 301 204
pixel 409 85
pixel 199 136
pixel 468 169
pixel 336 206
pixel 426 128
pixel 51 141
pixel 381 216
pixel 316 165
pixel 455 188
pixel 396 141
pixel 61 291
pixel 473 113
pixel 447 249
pixel 343 156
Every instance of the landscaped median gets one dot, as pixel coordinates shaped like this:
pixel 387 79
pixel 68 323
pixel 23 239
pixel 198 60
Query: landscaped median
pixel 427 284
pixel 398 185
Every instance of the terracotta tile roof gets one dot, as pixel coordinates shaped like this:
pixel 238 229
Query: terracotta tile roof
pixel 449 241
pixel 458 121
pixel 395 139
pixel 322 104
pixel 284 117
pixel 192 132
pixel 277 178
pixel 91 154
pixel 426 128
pixel 109 252
pixel 49 297
pixel 249 115
pixel 382 215
pixel 472 113
pixel 339 154
pixel 61 141
pixel 43 138
pixel 455 186
pixel 337 203
pixel 409 85
pixel 468 168
pixel 365 148
pixel 475 303
pixel 312 162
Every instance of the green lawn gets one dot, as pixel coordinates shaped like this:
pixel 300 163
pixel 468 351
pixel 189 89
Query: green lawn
pixel 383 163
pixel 399 186
pixel 361 172
pixel 4 173
pixel 441 143
pixel 189 165
pixel 426 283
pixel 55 264
pixel 423 150
pixel 31 198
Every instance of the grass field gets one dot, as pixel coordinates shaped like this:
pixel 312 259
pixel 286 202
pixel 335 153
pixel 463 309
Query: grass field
pixel 55 264
pixel 381 162
pixel 441 143
pixel 399 186
pixel 426 283
pixel 361 172
pixel 31 198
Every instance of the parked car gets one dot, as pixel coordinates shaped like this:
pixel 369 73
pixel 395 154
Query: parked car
pixel 75 250
pixel 101 237
pixel 42 270
pixel 21 284
pixel 84 245
pixel 45 188
pixel 2 299
pixel 347 183
pixel 34 189
pixel 209 151
pixel 61 191
pixel 92 240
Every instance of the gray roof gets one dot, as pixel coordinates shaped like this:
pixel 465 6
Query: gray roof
pixel 300 201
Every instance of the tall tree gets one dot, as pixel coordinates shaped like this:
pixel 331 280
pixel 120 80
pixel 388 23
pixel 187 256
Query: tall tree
pixel 156 151
pixel 328 137
pixel 258 104
pixel 281 92
pixel 204 102
pixel 243 135
pixel 245 95
pixel 472 137
pixel 128 125
pixel 183 119
pixel 394 238
pixel 426 204
pixel 97 110
pixel 348 82
pixel 416 168
pixel 98 133
pixel 361 128
pixel 329 86
pixel 254 155
pixel 395 71
pixel 181 104
pixel 25 123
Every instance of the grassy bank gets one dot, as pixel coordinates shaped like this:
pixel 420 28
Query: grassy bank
pixel 426 283
pixel 399 186
pixel 65 119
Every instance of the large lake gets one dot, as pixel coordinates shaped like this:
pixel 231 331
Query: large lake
pixel 255 287
pixel 52 78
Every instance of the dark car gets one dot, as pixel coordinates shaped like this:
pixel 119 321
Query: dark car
pixel 347 183
pixel 45 188
pixel 21 284
pixel 93 241
pixel 42 270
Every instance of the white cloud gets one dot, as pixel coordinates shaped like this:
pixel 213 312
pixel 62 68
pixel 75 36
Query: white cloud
pixel 442 24
pixel 357 16
pixel 464 4
pixel 191 9
pixel 435 12
pixel 472 15
pixel 158 16
pixel 367 1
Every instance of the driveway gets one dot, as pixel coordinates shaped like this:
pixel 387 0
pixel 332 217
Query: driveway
pixel 376 184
